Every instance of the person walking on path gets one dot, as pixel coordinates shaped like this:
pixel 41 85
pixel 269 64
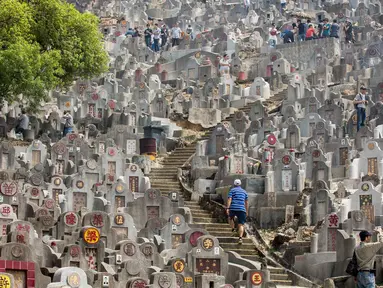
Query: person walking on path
pixel 22 123
pixel 148 35
pixel 360 103
pixel 68 124
pixel 156 38
pixel 365 255
pixel 237 206
pixel 176 35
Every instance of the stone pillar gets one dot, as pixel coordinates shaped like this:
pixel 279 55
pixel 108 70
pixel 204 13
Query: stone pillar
pixel 380 169
pixel 353 174
pixel 314 243
pixel 300 182
pixel 376 133
pixel 343 213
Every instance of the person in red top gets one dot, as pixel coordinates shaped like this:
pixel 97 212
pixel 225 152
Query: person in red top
pixel 310 33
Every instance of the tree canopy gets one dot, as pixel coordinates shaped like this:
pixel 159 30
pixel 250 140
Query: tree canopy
pixel 45 44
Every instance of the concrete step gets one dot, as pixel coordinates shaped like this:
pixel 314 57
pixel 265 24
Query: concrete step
pixel 279 277
pixel 235 245
pixel 201 214
pixel 163 170
pixel 202 220
pixel 276 270
pixel 221 233
pixel 283 282
pixel 243 251
pixel 211 226
pixel 230 240
pixel 163 177
pixel 251 257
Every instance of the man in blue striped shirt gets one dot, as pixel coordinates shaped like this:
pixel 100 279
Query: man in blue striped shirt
pixel 237 206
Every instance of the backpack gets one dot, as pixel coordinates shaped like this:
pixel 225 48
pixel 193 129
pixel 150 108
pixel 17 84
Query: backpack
pixel 352 267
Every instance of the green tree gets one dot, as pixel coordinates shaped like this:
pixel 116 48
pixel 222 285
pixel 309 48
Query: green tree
pixel 45 44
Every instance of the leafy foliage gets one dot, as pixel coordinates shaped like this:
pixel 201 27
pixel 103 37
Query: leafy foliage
pixel 46 44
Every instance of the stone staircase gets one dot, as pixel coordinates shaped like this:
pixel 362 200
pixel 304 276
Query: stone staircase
pixel 165 179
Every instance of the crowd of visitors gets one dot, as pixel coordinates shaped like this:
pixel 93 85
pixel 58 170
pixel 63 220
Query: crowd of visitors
pixel 157 37
pixel 305 30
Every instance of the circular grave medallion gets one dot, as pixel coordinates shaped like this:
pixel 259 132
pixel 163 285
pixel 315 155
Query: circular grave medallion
pixel 95 96
pixel 6 210
pixel 290 121
pixel 142 85
pixel 138 283
pixel 119 220
pixel 164 281
pixel 365 187
pixel 36 144
pixel 129 249
pixel 152 194
pixel 71 219
pixel 226 124
pixel 67 104
pixel 358 216
pixel 57 181
pixel 177 220
pixel 17 251
pixel 316 153
pixel 41 212
pixel 147 249
pixel 35 192
pixel 219 129
pixel 320 125
pixel 132 268
pixel 49 203
pixel 208 244
pixel 180 280
pixel 4 176
pixel 179 266
pixel 74 280
pixel 112 152
pixel 47 220
pixel 80 184
pixel 133 168
pixel 72 136
pixel 74 251
pixel 91 164
pixel 119 188
pixel 371 146
pixel 36 179
pixel 9 188
pixel 194 237
pixel 286 160
pixel 97 220
pixel 256 278
pixel 59 148
pixel 91 236
pixel 273 58
pixel 39 167
pixel 271 139
pixel 238 115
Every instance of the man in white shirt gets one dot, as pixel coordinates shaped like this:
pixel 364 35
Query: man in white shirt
pixel 176 35
pixel 247 6
pixel 156 38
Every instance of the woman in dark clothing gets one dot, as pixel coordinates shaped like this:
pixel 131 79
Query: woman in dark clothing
pixel 348 32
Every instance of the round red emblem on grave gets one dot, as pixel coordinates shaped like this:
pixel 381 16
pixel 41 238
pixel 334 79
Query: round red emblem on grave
pixel 72 136
pixel 271 139
pixel 194 237
pixel 286 160
pixel 112 152
pixel 35 192
pixel 71 219
pixel 8 188
pixel 49 203
pixel 95 97
pixel 111 104
pixel 139 283
pixel 6 210
pixel 316 153
pixel 274 58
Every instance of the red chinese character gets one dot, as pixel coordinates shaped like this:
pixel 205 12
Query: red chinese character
pixel 6 211
pixel 333 220
pixel 97 220
pixel 91 237
pixel 21 227
pixel 20 239
pixel 70 219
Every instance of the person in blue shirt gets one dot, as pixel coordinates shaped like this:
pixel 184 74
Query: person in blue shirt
pixel 237 206
pixel 326 28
